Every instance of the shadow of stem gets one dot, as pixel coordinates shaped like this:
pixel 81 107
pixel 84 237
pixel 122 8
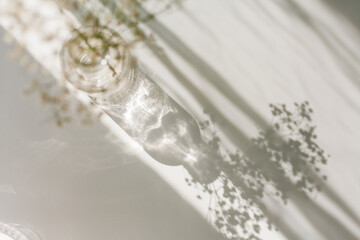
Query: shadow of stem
pixel 240 139
pixel 315 214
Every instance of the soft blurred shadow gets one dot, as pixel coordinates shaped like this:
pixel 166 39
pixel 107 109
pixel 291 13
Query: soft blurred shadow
pixel 345 58
pixel 348 8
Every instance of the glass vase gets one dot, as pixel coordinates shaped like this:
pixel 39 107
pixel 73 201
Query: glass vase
pixel 98 62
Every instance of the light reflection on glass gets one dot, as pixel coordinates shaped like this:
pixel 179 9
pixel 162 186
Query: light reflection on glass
pixel 116 82
pixel 16 232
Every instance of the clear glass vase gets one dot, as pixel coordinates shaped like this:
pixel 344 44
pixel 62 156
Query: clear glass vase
pixel 97 61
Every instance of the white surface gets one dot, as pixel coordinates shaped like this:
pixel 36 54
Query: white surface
pixel 267 51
